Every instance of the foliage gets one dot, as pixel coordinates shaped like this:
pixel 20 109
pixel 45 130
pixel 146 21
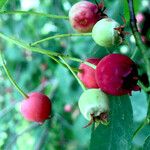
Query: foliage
pixel 36 72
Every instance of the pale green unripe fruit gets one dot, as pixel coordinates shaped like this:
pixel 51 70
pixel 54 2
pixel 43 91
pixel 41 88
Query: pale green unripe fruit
pixel 104 33
pixel 93 101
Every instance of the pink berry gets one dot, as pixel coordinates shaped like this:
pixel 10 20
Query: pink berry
pixel 83 15
pixel 36 108
pixel 87 74
pixel 67 108
pixel 140 17
pixel 117 74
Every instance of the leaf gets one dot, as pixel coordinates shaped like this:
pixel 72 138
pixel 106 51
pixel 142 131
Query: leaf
pixel 2 3
pixel 139 105
pixel 147 144
pixel 117 135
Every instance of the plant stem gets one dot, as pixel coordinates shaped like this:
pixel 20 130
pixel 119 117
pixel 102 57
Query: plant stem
pixel 137 37
pixel 11 79
pixel 59 62
pixel 60 36
pixel 142 125
pixel 146 89
pixel 34 13
pixel 43 51
pixel 79 81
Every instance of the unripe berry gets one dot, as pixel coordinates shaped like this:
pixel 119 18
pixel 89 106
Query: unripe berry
pixel 105 33
pixel 83 15
pixel 87 74
pixel 93 105
pixel 36 108
pixel 117 74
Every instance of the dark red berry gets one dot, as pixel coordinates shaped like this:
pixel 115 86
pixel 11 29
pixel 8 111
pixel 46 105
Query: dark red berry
pixel 117 74
pixel 83 15
pixel 87 74
pixel 37 107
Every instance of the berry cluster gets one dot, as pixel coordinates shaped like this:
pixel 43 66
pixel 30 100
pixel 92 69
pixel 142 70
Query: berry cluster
pixel 115 74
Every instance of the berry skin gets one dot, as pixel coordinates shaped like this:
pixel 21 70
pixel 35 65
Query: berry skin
pixel 87 74
pixel 117 74
pixel 105 33
pixel 93 105
pixel 83 15
pixel 36 108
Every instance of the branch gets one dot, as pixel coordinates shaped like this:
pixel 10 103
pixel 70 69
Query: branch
pixel 137 37
pixel 33 13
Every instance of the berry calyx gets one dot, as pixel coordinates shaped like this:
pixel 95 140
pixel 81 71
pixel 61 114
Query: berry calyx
pixel 83 15
pixel 93 105
pixel 117 74
pixel 107 32
pixel 87 73
pixel 36 108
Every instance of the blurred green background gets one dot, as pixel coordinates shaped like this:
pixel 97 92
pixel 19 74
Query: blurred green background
pixel 36 72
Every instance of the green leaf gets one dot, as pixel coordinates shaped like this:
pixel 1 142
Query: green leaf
pixel 147 144
pixel 117 135
pixel 2 3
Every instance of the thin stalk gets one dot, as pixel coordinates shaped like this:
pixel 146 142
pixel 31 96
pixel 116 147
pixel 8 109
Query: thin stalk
pixel 79 81
pixel 60 36
pixel 33 13
pixel 11 79
pixel 138 38
pixel 42 51
pixel 59 62
pixel 142 125
pixel 146 89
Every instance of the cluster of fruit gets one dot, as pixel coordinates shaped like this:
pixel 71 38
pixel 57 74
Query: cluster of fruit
pixel 115 74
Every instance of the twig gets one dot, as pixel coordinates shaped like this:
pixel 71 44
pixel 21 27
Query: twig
pixel 60 36
pixel 137 37
pixel 33 13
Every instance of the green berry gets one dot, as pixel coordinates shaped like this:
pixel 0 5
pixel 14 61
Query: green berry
pixel 93 104
pixel 105 33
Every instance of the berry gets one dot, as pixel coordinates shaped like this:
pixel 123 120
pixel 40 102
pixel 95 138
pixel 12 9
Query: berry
pixel 117 74
pixel 87 74
pixel 83 15
pixel 67 108
pixel 93 105
pixel 36 108
pixel 107 32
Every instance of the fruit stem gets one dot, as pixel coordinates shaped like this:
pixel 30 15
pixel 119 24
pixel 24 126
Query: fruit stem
pixel 60 36
pixel 11 79
pixel 43 51
pixel 34 13
pixel 146 89
pixel 79 81
pixel 59 62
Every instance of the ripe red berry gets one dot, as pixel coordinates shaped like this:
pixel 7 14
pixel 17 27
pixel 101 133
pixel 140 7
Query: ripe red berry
pixel 37 107
pixel 87 74
pixel 117 74
pixel 83 15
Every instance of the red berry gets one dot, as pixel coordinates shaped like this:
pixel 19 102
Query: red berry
pixel 87 74
pixel 37 107
pixel 83 15
pixel 117 74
